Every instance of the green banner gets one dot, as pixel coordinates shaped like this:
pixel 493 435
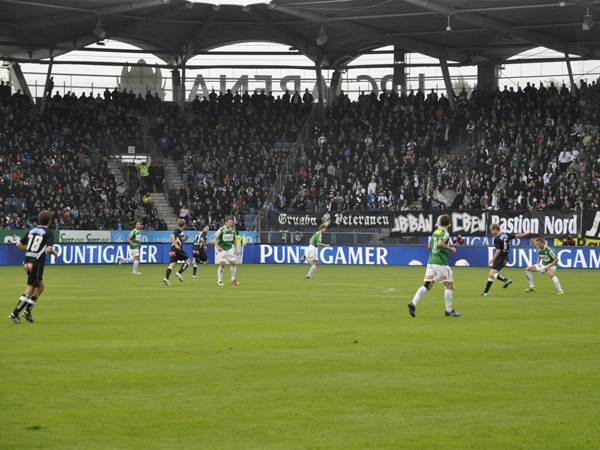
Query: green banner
pixel 6 235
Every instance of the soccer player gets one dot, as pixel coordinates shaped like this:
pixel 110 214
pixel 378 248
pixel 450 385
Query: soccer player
pixel 176 253
pixel 312 251
pixel 500 258
pixel 546 263
pixel 437 267
pixel 35 243
pixel 199 249
pixel 134 239
pixel 226 244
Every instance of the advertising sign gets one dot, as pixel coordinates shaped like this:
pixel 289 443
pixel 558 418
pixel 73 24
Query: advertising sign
pixel 419 223
pixel 387 255
pixel 80 237
pixel 339 219
pixel 476 223
pixel 590 226
pixel 104 254
pixel 5 235
pixel 120 236
pixel 541 223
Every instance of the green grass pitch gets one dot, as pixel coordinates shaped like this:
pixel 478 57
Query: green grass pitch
pixel 116 361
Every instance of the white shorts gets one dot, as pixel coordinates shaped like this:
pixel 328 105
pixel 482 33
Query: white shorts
pixel 541 268
pixel 436 272
pixel 134 252
pixel 311 253
pixel 227 255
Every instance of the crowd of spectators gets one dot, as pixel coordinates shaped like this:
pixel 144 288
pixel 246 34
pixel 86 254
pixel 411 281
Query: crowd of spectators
pixel 531 148
pixel 230 153
pixel 55 160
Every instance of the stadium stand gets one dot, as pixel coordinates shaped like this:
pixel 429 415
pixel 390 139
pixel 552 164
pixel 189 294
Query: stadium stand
pixel 531 148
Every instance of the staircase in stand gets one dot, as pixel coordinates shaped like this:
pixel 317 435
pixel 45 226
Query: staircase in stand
pixel 115 168
pixel 172 174
pixel 165 211
pixel 173 179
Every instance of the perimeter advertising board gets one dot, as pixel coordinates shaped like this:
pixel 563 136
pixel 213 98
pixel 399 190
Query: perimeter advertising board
pixel 386 255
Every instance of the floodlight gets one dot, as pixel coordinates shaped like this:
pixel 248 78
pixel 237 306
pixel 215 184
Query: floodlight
pixel 588 22
pixel 322 37
pixel 245 8
pixel 99 31
pixel 448 28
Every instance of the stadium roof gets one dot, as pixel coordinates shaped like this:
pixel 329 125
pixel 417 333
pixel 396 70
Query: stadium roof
pixel 482 31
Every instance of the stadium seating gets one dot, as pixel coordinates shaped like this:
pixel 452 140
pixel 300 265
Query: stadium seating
pixel 531 148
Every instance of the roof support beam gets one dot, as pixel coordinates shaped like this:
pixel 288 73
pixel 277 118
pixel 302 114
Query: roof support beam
pixel 76 14
pixel 584 3
pixel 448 82
pixel 124 26
pixel 378 35
pixel 148 19
pixel 47 92
pixel 570 70
pixel 309 50
pixel 44 22
pixel 189 47
pixel 545 40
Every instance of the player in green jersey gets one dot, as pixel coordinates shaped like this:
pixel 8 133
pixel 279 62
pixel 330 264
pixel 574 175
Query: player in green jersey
pixel 437 267
pixel 226 244
pixel 546 263
pixel 135 241
pixel 312 252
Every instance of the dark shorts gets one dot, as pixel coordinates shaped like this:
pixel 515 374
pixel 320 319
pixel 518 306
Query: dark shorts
pixel 177 255
pixel 500 262
pixel 199 254
pixel 35 273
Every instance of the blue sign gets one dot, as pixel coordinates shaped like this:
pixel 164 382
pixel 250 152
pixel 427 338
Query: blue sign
pixel 165 236
pixel 384 255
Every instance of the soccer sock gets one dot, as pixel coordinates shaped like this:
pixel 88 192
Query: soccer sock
pixel 419 295
pixel 448 298
pixel 500 277
pixel 220 273
pixel 128 260
pixel 488 285
pixel 556 283
pixel 31 303
pixel 312 270
pixel 169 270
pixel 195 269
pixel 23 301
pixel 233 270
pixel 530 278
pixel 136 263
pixel 182 269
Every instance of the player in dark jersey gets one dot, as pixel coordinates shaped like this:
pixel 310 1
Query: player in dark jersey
pixel 36 243
pixel 176 253
pixel 199 249
pixel 500 258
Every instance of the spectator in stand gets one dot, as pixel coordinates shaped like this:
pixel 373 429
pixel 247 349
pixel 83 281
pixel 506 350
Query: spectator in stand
pixel 307 97
pixel 184 212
